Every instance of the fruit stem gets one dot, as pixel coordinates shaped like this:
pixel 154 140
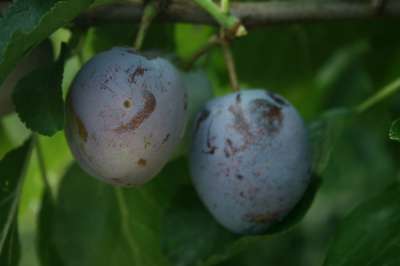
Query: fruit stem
pixel 41 163
pixel 230 64
pixel 228 56
pixel 225 6
pixel 230 23
pixel 379 96
pixel 221 39
pixel 149 13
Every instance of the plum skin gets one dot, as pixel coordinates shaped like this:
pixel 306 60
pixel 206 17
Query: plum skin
pixel 250 159
pixel 125 114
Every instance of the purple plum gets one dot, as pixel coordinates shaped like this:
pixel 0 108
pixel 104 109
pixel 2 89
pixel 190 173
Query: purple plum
pixel 250 159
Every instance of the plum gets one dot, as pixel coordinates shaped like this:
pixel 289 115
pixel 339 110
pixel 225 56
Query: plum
pixel 125 115
pixel 250 159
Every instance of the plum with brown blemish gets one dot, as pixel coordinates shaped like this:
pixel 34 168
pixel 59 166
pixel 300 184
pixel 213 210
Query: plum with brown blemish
pixel 259 167
pixel 125 116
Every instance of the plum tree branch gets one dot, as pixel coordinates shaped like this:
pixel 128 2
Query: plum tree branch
pixel 228 55
pixel 251 14
pixel 230 23
pixel 379 5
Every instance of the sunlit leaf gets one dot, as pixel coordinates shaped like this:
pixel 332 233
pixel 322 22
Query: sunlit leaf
pixel 26 23
pixel 12 170
pixel 394 132
pixel 48 254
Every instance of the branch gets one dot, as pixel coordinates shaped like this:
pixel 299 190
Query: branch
pixel 230 23
pixel 251 14
pixel 379 5
pixel 230 65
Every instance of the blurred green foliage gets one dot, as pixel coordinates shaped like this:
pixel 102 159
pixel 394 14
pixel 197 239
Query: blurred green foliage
pixel 373 228
pixel 12 175
pixel 322 68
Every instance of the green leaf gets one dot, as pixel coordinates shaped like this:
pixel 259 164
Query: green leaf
pixel 26 23
pixel 47 252
pixel 12 170
pixel 190 234
pixel 200 240
pixel 38 98
pixel 338 64
pixel 323 133
pixel 370 235
pixel 5 143
pixel 95 224
pixel 11 252
pixel 394 132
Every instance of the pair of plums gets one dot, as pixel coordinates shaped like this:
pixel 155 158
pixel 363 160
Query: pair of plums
pixel 249 157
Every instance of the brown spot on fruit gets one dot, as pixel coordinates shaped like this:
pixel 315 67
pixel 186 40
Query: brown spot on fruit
pixel 165 138
pixel 139 71
pixel 274 113
pixel 148 108
pixel 277 98
pixel 269 116
pixel 142 162
pixel 82 131
pixel 240 177
pixel 211 148
pixel 227 154
pixel 238 98
pixel 230 149
pixel 122 182
pixel 201 118
pixel 262 218
pixel 241 126
pixel 185 101
pixel 117 180
pixel 131 51
pixel 105 87
pixel 127 103
pixel 240 123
